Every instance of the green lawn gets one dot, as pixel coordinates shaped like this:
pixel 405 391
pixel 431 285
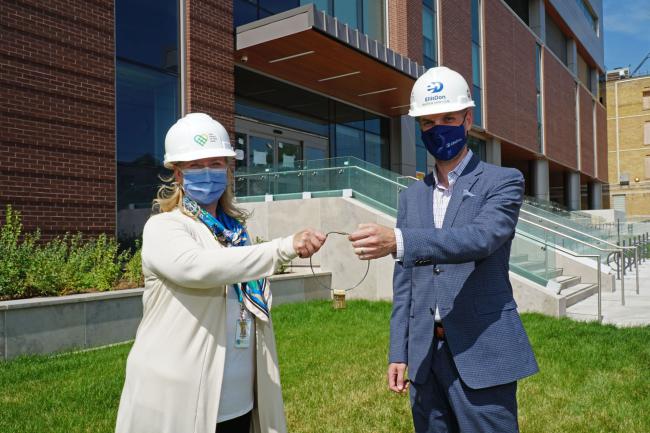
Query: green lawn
pixel 593 378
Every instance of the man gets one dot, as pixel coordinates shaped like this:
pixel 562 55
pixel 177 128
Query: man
pixel 454 321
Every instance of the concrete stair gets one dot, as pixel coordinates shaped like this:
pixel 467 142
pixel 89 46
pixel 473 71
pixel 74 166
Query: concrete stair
pixel 579 292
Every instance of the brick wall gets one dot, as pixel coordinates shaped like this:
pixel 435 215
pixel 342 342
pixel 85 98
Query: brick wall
pixel 405 28
pixel 210 65
pixel 559 112
pixel 456 36
pixel 57 118
pixel 510 94
pixel 586 133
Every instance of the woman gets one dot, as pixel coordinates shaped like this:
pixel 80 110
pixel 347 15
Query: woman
pixel 204 354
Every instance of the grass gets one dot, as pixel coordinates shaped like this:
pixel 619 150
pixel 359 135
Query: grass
pixel 593 378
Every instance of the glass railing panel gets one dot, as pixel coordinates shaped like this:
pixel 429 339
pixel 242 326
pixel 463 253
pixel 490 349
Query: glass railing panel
pixel 532 259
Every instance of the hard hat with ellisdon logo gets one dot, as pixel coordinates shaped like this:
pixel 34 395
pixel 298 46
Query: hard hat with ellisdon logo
pixel 196 136
pixel 440 90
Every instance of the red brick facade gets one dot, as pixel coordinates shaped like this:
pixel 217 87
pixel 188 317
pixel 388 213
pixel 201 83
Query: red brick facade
pixel 210 66
pixel 510 94
pixel 402 15
pixel 559 112
pixel 456 36
pixel 586 133
pixel 57 125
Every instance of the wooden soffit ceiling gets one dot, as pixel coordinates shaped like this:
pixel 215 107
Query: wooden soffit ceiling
pixel 306 47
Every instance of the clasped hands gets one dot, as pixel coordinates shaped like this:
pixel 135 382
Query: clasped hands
pixel 370 241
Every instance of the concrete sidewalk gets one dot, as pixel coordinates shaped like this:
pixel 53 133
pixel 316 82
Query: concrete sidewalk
pixel 636 311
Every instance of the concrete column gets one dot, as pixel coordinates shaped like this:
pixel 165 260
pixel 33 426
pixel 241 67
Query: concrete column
pixel 595 194
pixel 572 190
pixel 493 151
pixel 541 188
pixel 572 56
pixel 402 145
pixel 537 18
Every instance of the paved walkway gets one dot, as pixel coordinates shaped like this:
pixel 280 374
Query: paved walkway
pixel 636 311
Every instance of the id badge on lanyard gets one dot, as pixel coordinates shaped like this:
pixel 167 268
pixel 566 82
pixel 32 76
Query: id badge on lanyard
pixel 243 329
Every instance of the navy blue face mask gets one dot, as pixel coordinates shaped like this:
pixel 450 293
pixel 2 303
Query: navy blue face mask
pixel 444 142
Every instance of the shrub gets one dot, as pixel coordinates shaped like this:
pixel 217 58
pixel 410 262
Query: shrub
pixel 61 266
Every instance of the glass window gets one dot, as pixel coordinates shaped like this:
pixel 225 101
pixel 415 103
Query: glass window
pixel 519 7
pixel 244 11
pixel 556 40
pixel 420 150
pixel 146 106
pixel 321 5
pixel 477 146
pixel 589 15
pixel 476 61
pixel 349 141
pixel 646 99
pixel 373 19
pixel 430 54
pixel 277 6
pixel 153 42
pixel 346 12
pixel 373 149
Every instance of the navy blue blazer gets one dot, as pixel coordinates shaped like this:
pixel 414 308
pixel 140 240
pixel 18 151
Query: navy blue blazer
pixel 463 269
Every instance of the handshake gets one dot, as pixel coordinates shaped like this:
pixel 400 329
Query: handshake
pixel 370 241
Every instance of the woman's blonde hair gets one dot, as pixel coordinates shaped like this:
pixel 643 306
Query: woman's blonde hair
pixel 170 195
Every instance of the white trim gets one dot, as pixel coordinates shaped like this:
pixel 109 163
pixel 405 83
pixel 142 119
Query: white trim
pixel 630 116
pixel 542 68
pixel 594 120
pixel 636 149
pixel 386 24
pixel 481 29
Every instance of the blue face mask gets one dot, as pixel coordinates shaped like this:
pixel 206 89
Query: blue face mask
pixel 205 185
pixel 444 142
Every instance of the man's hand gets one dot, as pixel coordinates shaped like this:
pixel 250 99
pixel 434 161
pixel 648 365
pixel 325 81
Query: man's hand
pixel 307 242
pixel 372 241
pixel 397 381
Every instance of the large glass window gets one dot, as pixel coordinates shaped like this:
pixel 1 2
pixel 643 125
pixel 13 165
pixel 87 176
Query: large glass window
pixel 519 7
pixel 420 151
pixel 589 15
pixel 476 62
pixel 369 16
pixel 556 40
pixel 146 103
pixel 538 89
pixel 429 34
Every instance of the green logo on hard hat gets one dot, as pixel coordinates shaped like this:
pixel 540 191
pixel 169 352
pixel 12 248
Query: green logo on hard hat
pixel 201 139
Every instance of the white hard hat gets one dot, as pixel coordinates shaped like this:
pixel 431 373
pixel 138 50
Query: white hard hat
pixel 439 90
pixel 196 136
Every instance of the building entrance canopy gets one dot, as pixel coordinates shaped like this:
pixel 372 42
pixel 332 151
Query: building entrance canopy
pixel 309 48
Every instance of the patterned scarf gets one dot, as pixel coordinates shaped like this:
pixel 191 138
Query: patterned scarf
pixel 254 295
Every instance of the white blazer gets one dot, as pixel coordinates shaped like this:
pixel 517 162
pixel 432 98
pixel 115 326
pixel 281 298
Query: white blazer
pixel 174 371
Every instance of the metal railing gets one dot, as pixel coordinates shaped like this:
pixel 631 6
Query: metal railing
pixel 621 265
pixel 619 251
pixel 599 293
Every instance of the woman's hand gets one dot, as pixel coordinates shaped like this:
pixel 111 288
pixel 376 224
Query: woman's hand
pixel 307 242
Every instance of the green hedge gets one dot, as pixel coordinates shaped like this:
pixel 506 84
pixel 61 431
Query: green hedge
pixel 71 264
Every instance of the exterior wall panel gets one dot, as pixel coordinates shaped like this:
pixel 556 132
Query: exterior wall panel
pixel 601 146
pixel 559 112
pixel 511 100
pixel 57 124
pixel 455 37
pixel 210 65
pixel 405 28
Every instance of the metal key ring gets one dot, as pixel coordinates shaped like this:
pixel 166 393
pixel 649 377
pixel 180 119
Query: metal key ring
pixel 329 288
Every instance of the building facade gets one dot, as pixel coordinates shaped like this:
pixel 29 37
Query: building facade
pixel 90 89
pixel 628 141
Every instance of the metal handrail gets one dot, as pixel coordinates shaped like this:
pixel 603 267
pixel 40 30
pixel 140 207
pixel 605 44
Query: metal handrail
pixel 620 248
pixel 574 254
pixel 619 251
pixel 268 173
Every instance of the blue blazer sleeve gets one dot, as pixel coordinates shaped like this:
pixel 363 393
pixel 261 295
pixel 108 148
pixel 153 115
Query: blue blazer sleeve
pixel 491 228
pixel 399 320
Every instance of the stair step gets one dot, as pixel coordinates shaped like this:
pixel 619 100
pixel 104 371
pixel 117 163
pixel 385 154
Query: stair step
pixel 562 282
pixel 579 292
pixel 531 266
pixel 555 272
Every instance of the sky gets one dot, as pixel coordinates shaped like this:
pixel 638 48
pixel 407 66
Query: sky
pixel 627 33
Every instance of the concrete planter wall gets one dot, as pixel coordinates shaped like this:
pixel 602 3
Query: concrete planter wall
pixel 47 325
